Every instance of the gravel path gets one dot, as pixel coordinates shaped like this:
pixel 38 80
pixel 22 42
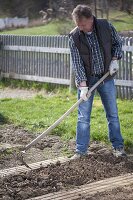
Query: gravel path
pixel 21 93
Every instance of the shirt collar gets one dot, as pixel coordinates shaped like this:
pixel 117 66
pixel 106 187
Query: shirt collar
pixel 88 33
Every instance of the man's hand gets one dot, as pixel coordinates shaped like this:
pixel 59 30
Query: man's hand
pixel 83 94
pixel 113 68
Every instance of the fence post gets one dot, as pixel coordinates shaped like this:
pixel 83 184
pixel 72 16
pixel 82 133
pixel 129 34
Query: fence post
pixel 0 59
pixel 72 78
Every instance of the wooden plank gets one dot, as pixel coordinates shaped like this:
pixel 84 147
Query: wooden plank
pixel 83 194
pixel 59 58
pixel 4 68
pixel 56 80
pixel 88 189
pixel 49 49
pixel 37 49
pixel 51 69
pixel 29 48
pixel 119 74
pixel 36 78
pixel 127 69
pixel 127 83
pixel 130 68
pixel 41 67
pixel 49 59
pixel 127 48
pixel 124 70
pixel 19 169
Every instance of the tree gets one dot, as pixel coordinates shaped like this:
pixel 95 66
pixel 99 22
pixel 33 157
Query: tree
pixel 126 6
pixel 103 7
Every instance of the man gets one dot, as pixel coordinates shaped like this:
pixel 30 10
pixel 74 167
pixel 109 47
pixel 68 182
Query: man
pixel 95 48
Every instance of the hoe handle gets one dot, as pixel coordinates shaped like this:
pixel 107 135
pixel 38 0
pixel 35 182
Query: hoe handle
pixel 66 113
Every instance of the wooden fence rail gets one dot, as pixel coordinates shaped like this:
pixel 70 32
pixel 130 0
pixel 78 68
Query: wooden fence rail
pixel 47 59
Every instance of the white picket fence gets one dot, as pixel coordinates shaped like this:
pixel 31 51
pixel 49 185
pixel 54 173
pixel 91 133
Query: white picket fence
pixel 47 59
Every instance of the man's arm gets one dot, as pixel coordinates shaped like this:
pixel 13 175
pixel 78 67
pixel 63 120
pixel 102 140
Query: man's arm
pixel 116 44
pixel 78 65
pixel 116 50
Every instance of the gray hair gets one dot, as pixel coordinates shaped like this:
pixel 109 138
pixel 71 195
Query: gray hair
pixel 81 11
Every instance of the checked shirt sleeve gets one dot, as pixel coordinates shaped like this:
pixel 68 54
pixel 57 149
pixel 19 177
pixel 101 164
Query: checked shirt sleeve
pixel 77 63
pixel 116 43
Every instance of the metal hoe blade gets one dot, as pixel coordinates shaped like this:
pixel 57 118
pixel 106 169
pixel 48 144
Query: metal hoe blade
pixel 20 156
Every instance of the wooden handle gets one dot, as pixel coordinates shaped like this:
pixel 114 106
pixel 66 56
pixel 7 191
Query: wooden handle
pixel 66 113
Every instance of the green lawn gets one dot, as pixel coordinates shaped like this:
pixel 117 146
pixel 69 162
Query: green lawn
pixel 49 29
pixel 39 113
pixel 121 20
pixel 52 28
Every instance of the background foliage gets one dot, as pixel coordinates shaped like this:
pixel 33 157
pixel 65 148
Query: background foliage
pixel 31 8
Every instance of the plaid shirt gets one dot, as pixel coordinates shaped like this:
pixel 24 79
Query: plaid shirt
pixel 97 54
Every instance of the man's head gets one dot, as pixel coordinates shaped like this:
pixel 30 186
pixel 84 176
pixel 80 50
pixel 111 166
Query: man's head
pixel 83 18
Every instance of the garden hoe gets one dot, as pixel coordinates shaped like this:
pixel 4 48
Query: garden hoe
pixel 59 120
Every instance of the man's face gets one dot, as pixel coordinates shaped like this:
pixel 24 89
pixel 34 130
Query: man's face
pixel 85 24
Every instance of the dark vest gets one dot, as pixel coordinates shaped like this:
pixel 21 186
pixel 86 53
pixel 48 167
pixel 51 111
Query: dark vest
pixel 105 42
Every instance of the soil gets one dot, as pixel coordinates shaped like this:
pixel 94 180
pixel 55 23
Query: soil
pixel 100 164
pixel 13 139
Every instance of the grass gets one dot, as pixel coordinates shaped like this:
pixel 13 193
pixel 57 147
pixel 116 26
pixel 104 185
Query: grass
pixel 49 29
pixel 37 114
pixel 33 85
pixel 121 20
pixel 55 27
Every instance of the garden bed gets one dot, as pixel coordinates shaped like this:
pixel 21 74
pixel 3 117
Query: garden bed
pixel 99 165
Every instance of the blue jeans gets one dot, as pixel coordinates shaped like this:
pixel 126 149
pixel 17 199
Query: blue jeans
pixel 107 92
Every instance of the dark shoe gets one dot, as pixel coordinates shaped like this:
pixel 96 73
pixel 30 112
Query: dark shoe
pixel 119 152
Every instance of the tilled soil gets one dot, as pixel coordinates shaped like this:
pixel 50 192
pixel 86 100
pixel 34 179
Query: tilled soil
pixel 49 147
pixel 59 176
pixel 99 165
